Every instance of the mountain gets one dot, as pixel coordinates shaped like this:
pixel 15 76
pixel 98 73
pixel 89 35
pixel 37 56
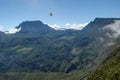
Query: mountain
pixel 38 27
pixel 110 68
pixel 39 48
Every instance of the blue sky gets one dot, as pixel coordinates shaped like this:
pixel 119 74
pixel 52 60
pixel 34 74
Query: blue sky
pixel 13 12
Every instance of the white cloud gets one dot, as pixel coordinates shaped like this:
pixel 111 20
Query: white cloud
pixel 13 31
pixel 115 27
pixel 109 44
pixel 55 26
pixel 69 26
pixel 75 26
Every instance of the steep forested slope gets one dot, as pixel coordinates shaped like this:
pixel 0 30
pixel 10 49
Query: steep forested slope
pixel 110 70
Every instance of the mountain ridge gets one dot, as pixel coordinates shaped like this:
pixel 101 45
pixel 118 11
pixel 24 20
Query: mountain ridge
pixel 39 24
pixel 44 49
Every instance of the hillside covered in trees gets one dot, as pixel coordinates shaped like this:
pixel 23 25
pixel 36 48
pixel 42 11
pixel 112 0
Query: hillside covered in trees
pixel 110 69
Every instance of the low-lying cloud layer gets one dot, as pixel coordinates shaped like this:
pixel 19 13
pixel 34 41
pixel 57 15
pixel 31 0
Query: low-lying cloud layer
pixel 13 31
pixel 69 26
pixel 55 26
pixel 76 26
pixel 115 27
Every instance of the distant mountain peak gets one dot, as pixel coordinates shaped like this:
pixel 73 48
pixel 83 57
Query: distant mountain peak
pixel 34 27
pixel 100 23
pixel 35 24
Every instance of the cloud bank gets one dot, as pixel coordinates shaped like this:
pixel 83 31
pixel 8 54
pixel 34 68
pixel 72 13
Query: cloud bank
pixel 115 28
pixel 76 26
pixel 55 26
pixel 69 26
pixel 12 31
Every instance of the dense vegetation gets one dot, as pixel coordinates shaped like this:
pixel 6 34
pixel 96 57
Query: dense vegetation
pixel 76 75
pixel 110 70
pixel 31 54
